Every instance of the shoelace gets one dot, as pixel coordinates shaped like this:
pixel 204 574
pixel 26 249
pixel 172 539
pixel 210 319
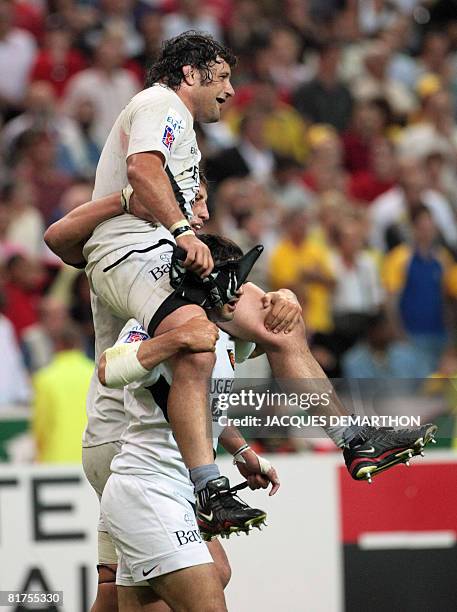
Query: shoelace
pixel 234 501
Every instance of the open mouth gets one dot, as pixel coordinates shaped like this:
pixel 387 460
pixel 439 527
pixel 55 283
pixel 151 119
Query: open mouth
pixel 221 100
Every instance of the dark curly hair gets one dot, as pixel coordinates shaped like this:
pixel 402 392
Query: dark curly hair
pixel 222 249
pixel 189 48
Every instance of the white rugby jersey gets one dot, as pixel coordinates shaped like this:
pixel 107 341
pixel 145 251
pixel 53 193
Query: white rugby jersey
pixel 148 446
pixel 156 119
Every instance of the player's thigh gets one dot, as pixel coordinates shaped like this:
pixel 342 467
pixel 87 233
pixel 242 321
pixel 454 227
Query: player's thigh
pixel 96 462
pixel 221 561
pixel 144 599
pixel 134 282
pixel 193 589
pixel 154 529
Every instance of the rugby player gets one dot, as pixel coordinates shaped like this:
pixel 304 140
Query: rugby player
pixel 152 146
pixel 145 504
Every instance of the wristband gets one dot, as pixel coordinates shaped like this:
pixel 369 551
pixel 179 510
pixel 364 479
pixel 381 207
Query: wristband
pixel 180 223
pixel 125 198
pixel 238 457
pixel 183 231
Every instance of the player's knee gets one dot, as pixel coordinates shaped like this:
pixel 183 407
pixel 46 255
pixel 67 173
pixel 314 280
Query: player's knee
pixel 295 339
pixel 200 364
pixel 224 572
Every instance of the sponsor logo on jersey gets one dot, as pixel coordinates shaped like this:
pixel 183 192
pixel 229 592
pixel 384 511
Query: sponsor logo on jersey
pixel 168 137
pixel 187 537
pixel 189 519
pixel 166 257
pixel 158 271
pixel 175 120
pixel 136 336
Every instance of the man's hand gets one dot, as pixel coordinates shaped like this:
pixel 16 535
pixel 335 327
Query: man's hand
pixel 199 259
pixel 198 335
pixel 285 311
pixel 258 472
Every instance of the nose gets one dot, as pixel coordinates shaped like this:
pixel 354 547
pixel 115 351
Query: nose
pixel 230 92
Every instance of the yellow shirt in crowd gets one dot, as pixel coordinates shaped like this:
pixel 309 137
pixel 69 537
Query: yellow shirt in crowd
pixel 59 416
pixel 395 267
pixel 287 264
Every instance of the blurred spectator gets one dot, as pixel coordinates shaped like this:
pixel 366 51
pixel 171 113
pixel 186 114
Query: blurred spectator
pixel 248 23
pixel 81 312
pixel 7 248
pixel 369 121
pixel 435 134
pixel 284 131
pixel 107 85
pixel 357 293
pixel 59 411
pixel 434 57
pixel 419 278
pixel 14 383
pixel 381 354
pixel 39 113
pixel 375 82
pixel 251 156
pixel 390 212
pixel 191 15
pixel 151 28
pixel 116 18
pixel 315 100
pixel 24 282
pixel 57 61
pixel 286 70
pixel 26 228
pixel 304 266
pixel 17 52
pixel 325 170
pixel 436 128
pixel 37 153
pixel 77 153
pixel 37 340
pixel 286 186
pixel 375 15
pixel 380 176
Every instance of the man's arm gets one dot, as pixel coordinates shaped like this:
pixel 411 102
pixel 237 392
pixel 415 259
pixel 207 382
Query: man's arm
pixel 258 471
pixel 126 363
pixel 67 236
pixel 149 180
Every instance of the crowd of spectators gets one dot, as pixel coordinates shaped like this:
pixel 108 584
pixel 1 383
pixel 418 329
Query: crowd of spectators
pixel 338 153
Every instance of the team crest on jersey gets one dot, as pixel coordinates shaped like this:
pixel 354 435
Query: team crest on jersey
pixel 136 336
pixel 168 137
pixel 231 355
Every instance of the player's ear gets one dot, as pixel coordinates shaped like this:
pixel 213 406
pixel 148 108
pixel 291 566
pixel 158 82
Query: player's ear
pixel 189 74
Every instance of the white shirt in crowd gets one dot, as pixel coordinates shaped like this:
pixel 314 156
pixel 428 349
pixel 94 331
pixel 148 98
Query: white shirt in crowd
pixel 109 95
pixel 390 208
pixel 358 288
pixel 14 382
pixel 17 53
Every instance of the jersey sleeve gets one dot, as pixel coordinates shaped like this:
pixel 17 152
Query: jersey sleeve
pixel 133 331
pixel 155 126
